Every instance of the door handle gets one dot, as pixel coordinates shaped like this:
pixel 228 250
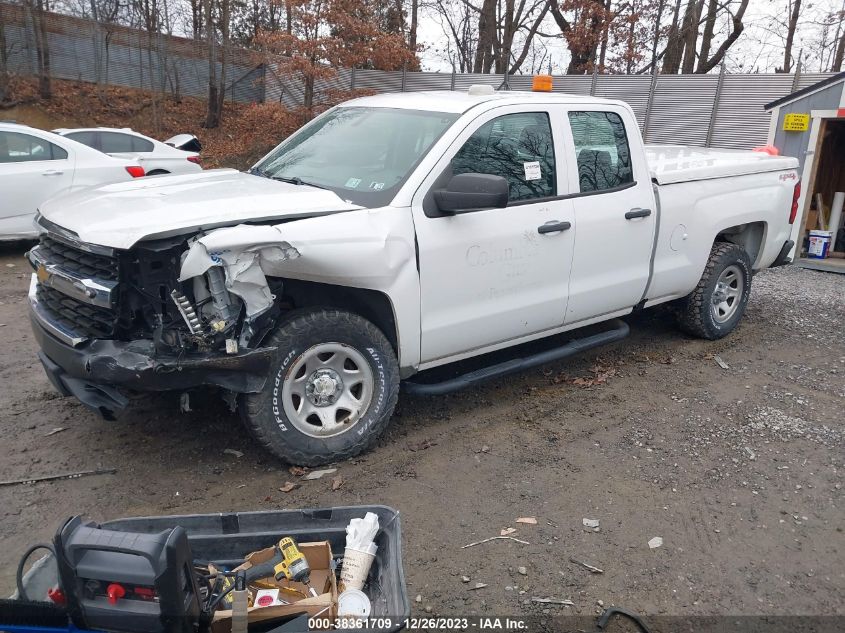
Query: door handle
pixel 52 172
pixel 637 213
pixel 553 227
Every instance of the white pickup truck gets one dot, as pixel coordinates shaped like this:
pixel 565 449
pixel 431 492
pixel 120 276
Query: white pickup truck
pixel 391 235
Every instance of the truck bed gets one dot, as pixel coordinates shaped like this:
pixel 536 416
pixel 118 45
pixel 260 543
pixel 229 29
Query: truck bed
pixel 670 164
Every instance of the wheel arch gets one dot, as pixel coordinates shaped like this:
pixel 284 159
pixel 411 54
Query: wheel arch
pixel 373 305
pixel 750 236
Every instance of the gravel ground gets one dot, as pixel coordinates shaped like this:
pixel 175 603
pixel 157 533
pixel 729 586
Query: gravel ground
pixel 738 470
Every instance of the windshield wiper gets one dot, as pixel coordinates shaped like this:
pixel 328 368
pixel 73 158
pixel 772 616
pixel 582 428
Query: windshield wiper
pixel 296 180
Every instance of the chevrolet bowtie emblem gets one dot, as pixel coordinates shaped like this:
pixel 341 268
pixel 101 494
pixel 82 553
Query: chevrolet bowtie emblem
pixel 42 273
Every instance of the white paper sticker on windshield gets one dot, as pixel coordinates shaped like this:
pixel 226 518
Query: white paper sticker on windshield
pixel 353 183
pixel 532 170
pixel 376 186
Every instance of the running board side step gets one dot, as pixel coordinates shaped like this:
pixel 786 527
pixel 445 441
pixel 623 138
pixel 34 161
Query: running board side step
pixel 620 330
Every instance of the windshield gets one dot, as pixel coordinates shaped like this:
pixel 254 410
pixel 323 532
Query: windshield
pixel 362 154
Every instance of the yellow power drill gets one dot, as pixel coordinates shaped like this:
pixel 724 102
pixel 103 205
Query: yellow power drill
pixel 287 563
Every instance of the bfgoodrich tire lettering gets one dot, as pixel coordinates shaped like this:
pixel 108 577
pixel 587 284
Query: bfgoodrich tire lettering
pixel 318 351
pixel 718 302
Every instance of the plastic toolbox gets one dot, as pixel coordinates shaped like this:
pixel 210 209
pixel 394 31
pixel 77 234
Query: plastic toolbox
pixel 228 537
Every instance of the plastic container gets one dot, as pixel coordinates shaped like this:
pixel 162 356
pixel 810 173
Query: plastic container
pixel 228 537
pixel 819 244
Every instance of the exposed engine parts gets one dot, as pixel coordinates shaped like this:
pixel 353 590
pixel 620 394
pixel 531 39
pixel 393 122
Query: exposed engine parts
pixel 186 309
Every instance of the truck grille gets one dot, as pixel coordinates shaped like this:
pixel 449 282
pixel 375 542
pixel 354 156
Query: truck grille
pixel 78 261
pixel 84 319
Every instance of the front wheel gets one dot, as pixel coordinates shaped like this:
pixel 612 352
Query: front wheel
pixel 718 302
pixel 332 391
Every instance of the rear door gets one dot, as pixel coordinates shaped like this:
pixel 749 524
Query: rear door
pixel 614 213
pixel 491 276
pixel 32 170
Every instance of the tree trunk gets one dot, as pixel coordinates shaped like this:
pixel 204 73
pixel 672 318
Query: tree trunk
pixel 707 35
pixel 486 35
pixel 412 34
pixel 674 44
pixel 212 119
pixel 690 37
pixel 4 62
pixel 605 33
pixel 196 18
pixel 790 36
pixel 656 36
pixel 737 28
pixel 225 32
pixel 840 54
pixel 308 95
pixel 42 46
pixel 503 55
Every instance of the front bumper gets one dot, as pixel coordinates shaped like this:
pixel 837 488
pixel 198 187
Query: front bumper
pixel 95 369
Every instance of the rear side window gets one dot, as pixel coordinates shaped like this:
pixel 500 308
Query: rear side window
pixel 21 148
pixel 516 146
pixel 86 138
pixel 601 150
pixel 141 144
pixel 115 143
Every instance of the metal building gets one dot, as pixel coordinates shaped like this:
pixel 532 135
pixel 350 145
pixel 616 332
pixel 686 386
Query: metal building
pixel 810 125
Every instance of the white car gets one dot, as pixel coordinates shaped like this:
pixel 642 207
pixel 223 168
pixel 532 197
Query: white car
pixel 155 157
pixel 36 165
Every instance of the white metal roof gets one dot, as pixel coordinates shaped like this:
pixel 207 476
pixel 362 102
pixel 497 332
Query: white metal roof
pixel 459 102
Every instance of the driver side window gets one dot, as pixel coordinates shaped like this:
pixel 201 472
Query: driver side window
pixel 518 147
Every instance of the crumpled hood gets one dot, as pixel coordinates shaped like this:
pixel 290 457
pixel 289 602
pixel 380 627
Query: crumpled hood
pixel 120 214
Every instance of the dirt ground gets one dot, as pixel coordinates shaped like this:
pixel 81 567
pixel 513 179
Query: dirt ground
pixel 738 470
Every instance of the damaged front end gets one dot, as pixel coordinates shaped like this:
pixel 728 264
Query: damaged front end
pixel 168 314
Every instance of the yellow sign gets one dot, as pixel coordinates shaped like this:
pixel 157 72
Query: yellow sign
pixel 796 122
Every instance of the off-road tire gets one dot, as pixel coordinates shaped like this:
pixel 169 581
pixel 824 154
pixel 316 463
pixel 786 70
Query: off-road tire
pixel 694 311
pixel 263 412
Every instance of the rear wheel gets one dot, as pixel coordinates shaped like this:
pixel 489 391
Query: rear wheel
pixel 334 386
pixel 718 302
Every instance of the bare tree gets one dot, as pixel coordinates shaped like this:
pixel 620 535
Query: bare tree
pixel 217 79
pixel 682 49
pixel 4 60
pixel 37 12
pixel 583 32
pixel 791 27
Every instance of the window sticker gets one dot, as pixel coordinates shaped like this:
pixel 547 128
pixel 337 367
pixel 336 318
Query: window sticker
pixel 532 170
pixel 376 186
pixel 353 183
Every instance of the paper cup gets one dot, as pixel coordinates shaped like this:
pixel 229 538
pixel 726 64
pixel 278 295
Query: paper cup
pixel 356 566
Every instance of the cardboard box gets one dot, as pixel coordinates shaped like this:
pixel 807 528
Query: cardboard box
pixel 323 607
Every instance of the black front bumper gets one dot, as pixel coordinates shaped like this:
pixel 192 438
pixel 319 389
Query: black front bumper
pixel 94 371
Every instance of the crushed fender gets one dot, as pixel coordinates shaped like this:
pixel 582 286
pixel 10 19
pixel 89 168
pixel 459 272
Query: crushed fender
pixel 246 253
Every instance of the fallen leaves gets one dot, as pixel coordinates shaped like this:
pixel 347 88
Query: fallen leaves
pixel 600 376
pixel 289 486
pixel 337 482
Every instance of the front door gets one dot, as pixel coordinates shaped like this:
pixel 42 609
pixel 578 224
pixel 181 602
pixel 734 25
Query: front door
pixel 495 275
pixel 614 212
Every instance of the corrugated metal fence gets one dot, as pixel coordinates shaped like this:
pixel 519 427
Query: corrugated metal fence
pixel 719 110
pixel 85 50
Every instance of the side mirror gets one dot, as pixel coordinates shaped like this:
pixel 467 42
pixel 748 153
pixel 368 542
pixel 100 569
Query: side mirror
pixel 468 192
